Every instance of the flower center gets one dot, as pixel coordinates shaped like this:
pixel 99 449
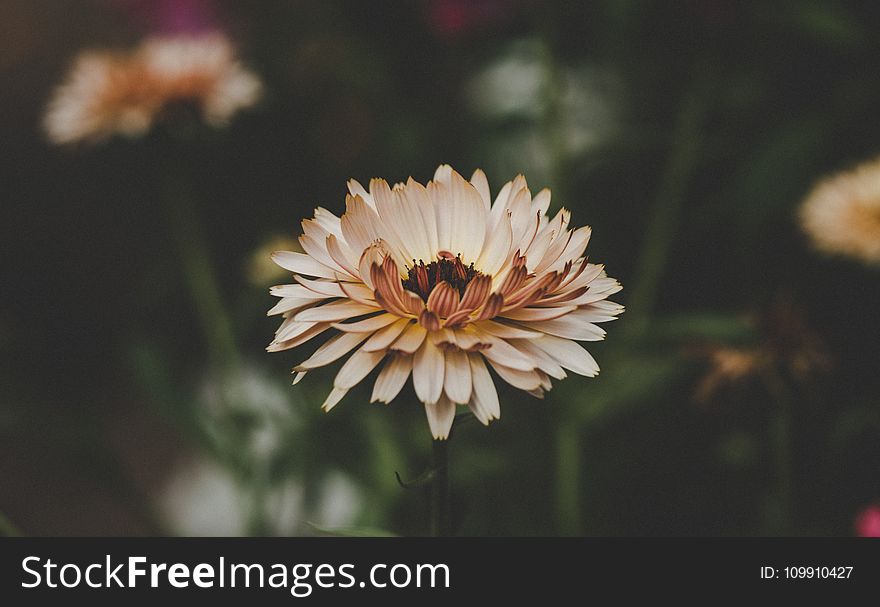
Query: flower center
pixel 422 278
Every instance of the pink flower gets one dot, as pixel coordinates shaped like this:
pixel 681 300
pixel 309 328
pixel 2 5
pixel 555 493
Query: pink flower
pixel 867 522
pixel 452 18
pixel 170 16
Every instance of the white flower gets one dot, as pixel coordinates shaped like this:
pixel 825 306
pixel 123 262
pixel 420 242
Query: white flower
pixel 436 281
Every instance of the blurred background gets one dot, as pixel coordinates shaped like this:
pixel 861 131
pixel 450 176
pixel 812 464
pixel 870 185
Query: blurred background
pixel 739 394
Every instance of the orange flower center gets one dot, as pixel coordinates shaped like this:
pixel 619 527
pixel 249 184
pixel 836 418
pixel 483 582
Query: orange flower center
pixel 422 278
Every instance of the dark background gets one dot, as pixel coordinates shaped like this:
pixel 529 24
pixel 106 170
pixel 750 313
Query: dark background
pixel 684 133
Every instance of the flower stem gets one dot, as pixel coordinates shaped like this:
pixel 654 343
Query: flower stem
pixel 440 519
pixel 686 140
pixel 200 277
pixel 568 473
pixel 781 515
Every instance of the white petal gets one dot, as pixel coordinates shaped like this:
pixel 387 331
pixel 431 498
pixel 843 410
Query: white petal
pixel 411 339
pixel 440 417
pixel 479 181
pixel 302 264
pixel 496 250
pixel 535 314
pixel 428 369
pixel 524 380
pixel 543 361
pixel 505 331
pixel 385 337
pixel 336 311
pixel 569 354
pixel 368 325
pixel 484 397
pixel 301 292
pixel 289 304
pixel 570 326
pixel 392 378
pixel 298 377
pixel 356 368
pixel 468 220
pixel 293 341
pixel 503 353
pixel 335 348
pixel 439 195
pixel 333 398
pixel 541 202
pixel 457 379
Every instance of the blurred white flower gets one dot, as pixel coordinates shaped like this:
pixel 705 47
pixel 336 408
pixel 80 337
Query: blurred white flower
pixel 543 109
pixel 125 93
pixel 201 498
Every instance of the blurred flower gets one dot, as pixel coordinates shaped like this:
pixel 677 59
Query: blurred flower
pixel 435 280
pixel 727 367
pixel 127 93
pixel 260 271
pixel 202 498
pixel 541 111
pixel 867 523
pixel 842 214
pixel 788 346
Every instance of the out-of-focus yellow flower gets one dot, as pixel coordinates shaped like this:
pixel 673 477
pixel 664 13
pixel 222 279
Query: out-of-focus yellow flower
pixel 261 271
pixel 436 281
pixel 842 214
pixel 125 93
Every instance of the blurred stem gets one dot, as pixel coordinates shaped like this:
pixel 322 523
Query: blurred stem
pixel 440 519
pixel 7 529
pixel 676 177
pixel 568 473
pixel 780 521
pixel 198 269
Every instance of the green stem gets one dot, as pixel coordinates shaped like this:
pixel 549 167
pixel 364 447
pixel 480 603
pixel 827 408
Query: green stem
pixel 568 472
pixel 781 513
pixel 676 177
pixel 198 270
pixel 440 519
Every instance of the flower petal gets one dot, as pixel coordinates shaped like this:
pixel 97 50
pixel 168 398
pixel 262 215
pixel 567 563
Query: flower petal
pixel 457 380
pixel 336 311
pixel 356 368
pixel 302 264
pixel 484 397
pixel 336 347
pixel 368 325
pixel 440 417
pixel 392 378
pixel 410 340
pixel 428 370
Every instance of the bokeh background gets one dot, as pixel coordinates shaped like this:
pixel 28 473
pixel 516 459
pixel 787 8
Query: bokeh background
pixel 739 393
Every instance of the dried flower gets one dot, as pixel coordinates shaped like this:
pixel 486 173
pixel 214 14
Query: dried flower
pixel 436 281
pixel 126 93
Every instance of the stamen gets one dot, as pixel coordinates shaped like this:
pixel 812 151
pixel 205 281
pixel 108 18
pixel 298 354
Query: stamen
pixel 422 278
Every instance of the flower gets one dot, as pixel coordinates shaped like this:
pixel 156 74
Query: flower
pixel 126 93
pixel 842 214
pixel 436 280
pixel 867 523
